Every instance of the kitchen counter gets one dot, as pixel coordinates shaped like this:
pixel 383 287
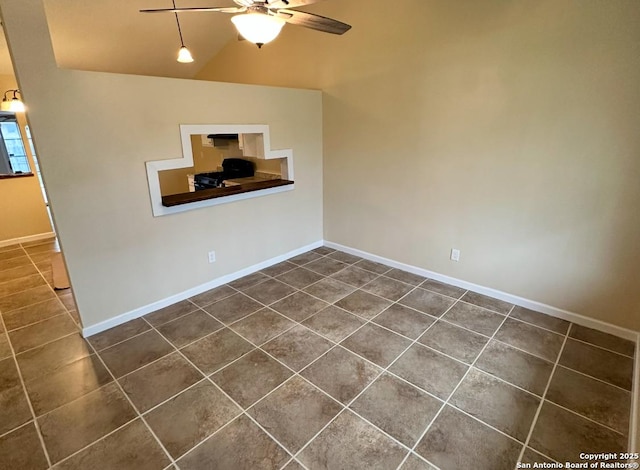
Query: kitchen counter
pixel 249 179
pixel 242 187
pixel 14 175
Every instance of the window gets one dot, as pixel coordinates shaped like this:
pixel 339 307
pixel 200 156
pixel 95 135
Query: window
pixel 13 156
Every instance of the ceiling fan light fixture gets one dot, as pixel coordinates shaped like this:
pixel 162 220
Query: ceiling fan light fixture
pixel 258 28
pixel 184 56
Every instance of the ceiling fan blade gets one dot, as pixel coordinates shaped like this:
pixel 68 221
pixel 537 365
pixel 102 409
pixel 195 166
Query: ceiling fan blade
pixel 290 3
pixel 183 10
pixel 313 21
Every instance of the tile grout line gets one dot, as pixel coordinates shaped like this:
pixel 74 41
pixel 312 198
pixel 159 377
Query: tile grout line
pixel 224 326
pixel 287 380
pixel 522 350
pixel 131 403
pixel 96 354
pixel 446 402
pixel 66 310
pixel 383 370
pixel 204 378
pixel 26 396
pixel 192 302
pixel 242 409
pixel 152 327
pixel 32 305
pixel 15 359
pixel 104 365
pixel 335 344
pixel 133 406
pixel 538 452
pixel 22 278
pixel 577 340
pixel 544 394
pixel 595 378
pixel 75 399
pixel 13 257
pixel 437 318
pixel 207 377
pixel 31 259
pixel 490 338
pixel 39 321
pixel 585 417
pixel 100 439
pixel 325 277
pixel 11 247
pixel 300 290
pixel 285 365
pixel 571 337
pixel 11 277
pixel 46 343
pixel 95 390
pixel 4 312
pixel 297 289
pixel 6 433
pixel 504 381
pixel 356 288
pixel 140 415
pixel 40 272
pixel 537 326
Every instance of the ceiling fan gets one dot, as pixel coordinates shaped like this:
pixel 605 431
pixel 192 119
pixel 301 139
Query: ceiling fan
pixel 260 22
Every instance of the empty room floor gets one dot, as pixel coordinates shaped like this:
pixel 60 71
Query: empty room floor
pixel 324 361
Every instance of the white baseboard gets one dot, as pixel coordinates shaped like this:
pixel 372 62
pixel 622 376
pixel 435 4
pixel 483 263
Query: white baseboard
pixel 28 238
pixel 537 306
pixel 140 311
pixel 533 305
pixel 514 299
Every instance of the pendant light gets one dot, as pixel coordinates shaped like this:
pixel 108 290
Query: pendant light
pixel 184 56
pixel 14 104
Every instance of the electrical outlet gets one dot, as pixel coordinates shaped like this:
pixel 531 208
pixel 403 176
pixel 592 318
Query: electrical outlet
pixel 212 257
pixel 455 254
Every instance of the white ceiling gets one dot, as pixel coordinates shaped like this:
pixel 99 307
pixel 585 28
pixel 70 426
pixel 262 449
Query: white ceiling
pixel 111 35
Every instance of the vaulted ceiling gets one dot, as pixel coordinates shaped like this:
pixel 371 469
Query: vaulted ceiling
pixel 111 35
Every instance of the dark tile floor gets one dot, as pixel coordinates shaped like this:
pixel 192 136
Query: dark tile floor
pixel 324 361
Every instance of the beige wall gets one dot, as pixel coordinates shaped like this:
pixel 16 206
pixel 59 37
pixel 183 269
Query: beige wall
pixel 22 209
pixel 508 130
pixel 95 131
